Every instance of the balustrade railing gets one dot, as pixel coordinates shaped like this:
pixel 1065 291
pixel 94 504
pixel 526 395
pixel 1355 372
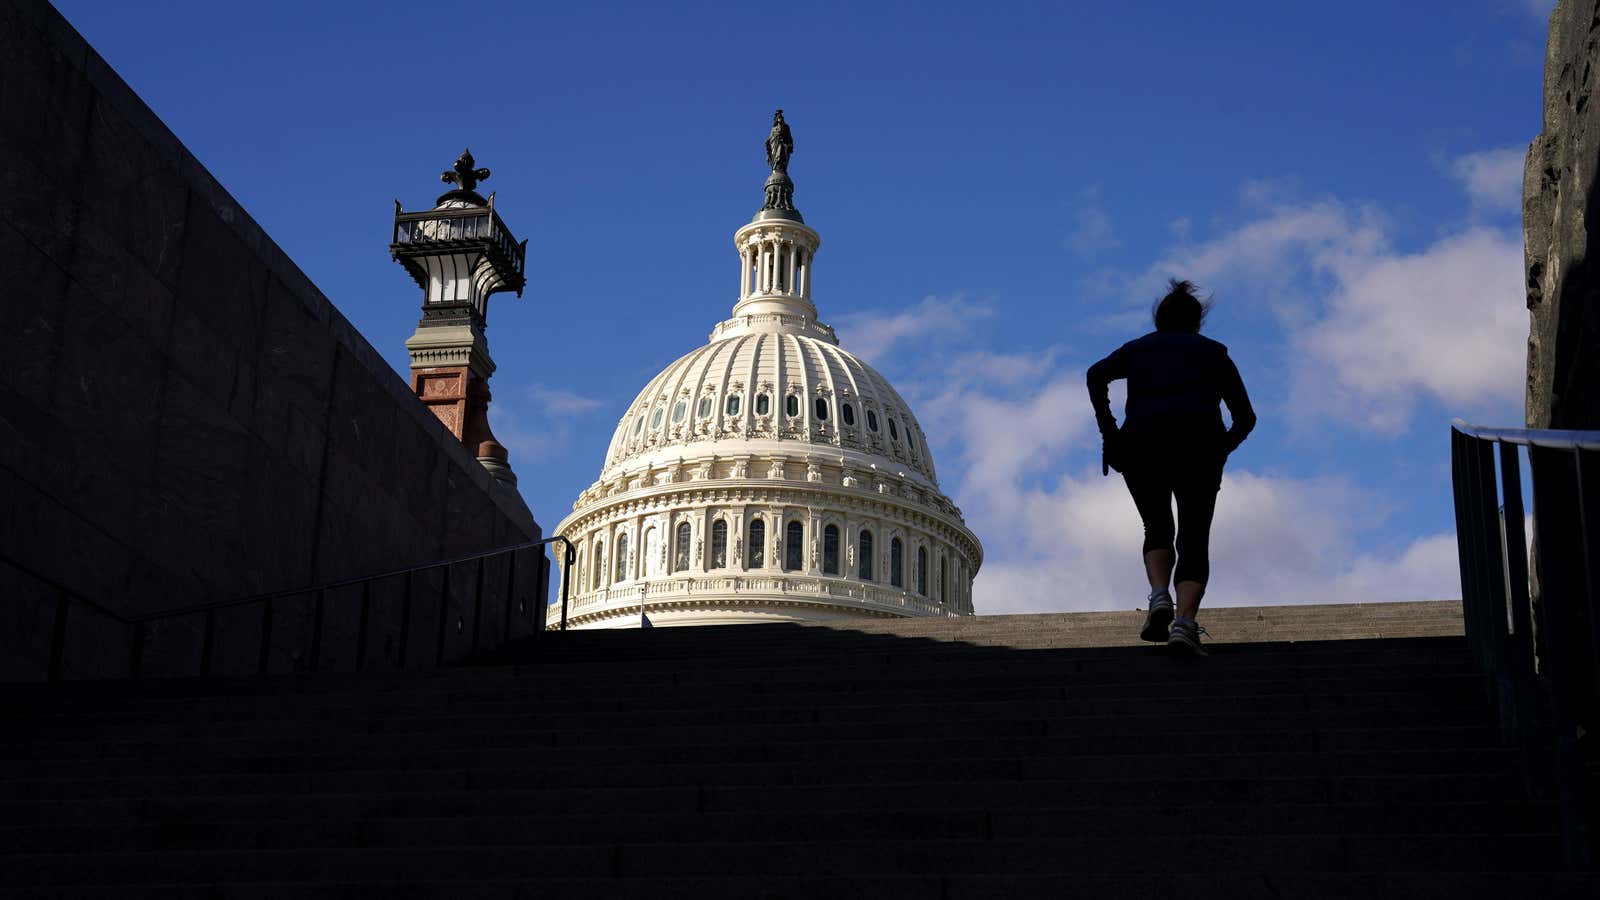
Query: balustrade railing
pixel 822 588
pixel 425 230
pixel 1532 621
pixel 140 625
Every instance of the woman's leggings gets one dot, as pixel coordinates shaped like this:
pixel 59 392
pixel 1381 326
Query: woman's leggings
pixel 1153 489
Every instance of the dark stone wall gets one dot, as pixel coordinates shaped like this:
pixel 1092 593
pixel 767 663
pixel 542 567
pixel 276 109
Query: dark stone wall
pixel 185 418
pixel 1560 212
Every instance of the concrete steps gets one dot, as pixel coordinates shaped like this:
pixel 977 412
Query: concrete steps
pixel 932 758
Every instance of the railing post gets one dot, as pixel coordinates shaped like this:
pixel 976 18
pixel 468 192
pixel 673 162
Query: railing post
pixel 1588 543
pixel 566 581
pixel 208 642
pixel 405 617
pixel 266 637
pixel 1516 561
pixel 1552 621
pixel 316 631
pixel 477 605
pixel 511 593
pixel 444 611
pixel 58 635
pixel 361 633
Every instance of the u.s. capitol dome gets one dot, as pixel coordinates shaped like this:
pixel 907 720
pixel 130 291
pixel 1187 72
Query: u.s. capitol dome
pixel 769 475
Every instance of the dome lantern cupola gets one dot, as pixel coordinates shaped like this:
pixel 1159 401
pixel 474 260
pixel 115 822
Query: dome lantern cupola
pixel 775 253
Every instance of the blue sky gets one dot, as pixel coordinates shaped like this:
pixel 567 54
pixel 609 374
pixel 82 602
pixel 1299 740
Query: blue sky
pixel 1001 189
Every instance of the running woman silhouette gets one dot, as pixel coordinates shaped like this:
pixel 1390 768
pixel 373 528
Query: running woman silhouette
pixel 1172 445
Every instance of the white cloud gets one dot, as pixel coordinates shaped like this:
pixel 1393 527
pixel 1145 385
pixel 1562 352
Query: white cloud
pixel 1447 323
pixel 873 334
pixel 1492 178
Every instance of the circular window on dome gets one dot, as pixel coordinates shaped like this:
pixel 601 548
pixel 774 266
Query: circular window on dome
pixel 704 409
pixel 732 408
pixel 791 405
pixel 763 404
pixel 822 409
pixel 679 410
pixel 655 418
pixel 849 413
pixel 872 421
pixel 894 433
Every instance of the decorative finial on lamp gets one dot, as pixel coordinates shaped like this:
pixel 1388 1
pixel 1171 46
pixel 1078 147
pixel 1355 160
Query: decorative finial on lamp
pixel 463 175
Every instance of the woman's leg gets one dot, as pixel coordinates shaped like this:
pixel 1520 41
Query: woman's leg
pixel 1197 503
pixel 1152 496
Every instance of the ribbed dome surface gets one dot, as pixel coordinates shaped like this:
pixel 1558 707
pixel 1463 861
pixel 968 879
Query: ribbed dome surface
pixel 773 386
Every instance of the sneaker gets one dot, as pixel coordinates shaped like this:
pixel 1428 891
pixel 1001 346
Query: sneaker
pixel 1185 637
pixel 1158 618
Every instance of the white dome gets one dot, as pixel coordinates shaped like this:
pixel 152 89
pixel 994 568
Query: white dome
pixel 791 393
pixel 769 475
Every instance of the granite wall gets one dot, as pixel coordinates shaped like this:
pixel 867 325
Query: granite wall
pixel 185 418
pixel 1560 212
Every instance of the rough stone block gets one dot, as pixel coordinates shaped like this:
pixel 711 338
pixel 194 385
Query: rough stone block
pixel 27 621
pixel 31 318
pixel 225 374
pixel 41 533
pixel 133 190
pixel 113 398
pixel 222 283
pixel 201 458
pixel 36 209
pixel 105 269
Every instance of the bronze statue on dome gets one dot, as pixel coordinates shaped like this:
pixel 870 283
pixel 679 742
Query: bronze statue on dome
pixel 780 144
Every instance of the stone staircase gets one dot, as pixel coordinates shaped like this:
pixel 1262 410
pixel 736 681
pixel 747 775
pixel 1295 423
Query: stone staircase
pixel 1318 752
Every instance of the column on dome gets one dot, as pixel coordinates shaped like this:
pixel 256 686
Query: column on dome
pixel 792 283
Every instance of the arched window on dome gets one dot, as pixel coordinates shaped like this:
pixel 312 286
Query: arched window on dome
pixel 763 404
pixel 719 544
pixel 679 410
pixel 944 579
pixel 755 550
pixel 638 424
pixel 622 558
pixel 657 416
pixel 872 421
pixel 864 556
pixel 791 406
pixel 651 554
pixel 732 406
pixel 704 409
pixel 794 547
pixel 896 563
pixel 830 550
pixel 597 564
pixel 680 559
pixel 894 432
pixel 922 571
pixel 822 409
pixel 849 414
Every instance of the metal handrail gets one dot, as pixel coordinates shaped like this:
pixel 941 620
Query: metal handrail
pixel 1541 660
pixel 1553 438
pixel 66 594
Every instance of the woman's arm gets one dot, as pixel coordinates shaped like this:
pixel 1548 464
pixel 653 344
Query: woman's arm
pixel 1238 402
pixel 1101 374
